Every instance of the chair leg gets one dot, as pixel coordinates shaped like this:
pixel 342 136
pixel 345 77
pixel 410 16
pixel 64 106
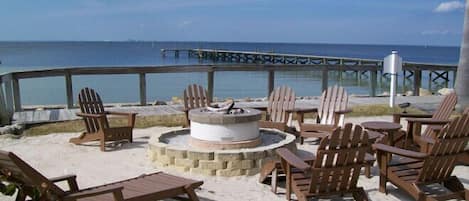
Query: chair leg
pixel 360 195
pixel 368 171
pixel 382 183
pixel 274 180
pixel 190 193
pixel 102 145
pixel 20 196
pixel 302 139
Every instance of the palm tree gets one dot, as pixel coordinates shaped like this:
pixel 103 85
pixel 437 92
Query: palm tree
pixel 462 77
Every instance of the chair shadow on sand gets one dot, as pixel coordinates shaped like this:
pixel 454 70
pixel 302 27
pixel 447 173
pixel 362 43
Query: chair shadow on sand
pixel 138 143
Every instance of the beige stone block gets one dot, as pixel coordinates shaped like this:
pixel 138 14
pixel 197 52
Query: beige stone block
pixel 185 162
pixel 151 155
pixel 228 156
pixel 181 169
pixel 212 165
pixel 164 159
pixel 200 155
pixel 158 150
pixel 252 171
pixel 202 171
pixel 253 155
pixel 178 153
pixel 242 164
pixel 230 172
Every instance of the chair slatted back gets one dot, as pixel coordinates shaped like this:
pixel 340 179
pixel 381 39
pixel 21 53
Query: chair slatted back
pixel 90 103
pixel 19 172
pixel 195 96
pixel 333 99
pixel 450 142
pixel 280 100
pixel 339 160
pixel 443 111
pixel 446 106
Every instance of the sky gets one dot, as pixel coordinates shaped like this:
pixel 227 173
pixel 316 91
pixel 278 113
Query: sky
pixel 403 22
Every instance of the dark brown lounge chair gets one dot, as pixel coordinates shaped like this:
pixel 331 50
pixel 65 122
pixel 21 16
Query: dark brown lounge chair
pixel 331 114
pixel 279 109
pixel 195 96
pixel 413 170
pixel 433 121
pixel 96 121
pixel 149 187
pixel 336 169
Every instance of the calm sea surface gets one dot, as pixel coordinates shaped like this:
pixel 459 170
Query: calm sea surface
pixel 19 56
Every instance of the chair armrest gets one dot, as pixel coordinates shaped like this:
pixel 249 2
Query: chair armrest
pixel 343 111
pixel 397 116
pixel 121 113
pixel 71 180
pixel 98 191
pixel 292 159
pixel 90 115
pixel 400 152
pixel 427 121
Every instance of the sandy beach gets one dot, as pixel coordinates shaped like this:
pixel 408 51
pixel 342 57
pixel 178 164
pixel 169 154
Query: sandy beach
pixel 53 156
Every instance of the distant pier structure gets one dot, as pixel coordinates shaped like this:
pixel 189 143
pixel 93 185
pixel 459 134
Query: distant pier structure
pixel 438 74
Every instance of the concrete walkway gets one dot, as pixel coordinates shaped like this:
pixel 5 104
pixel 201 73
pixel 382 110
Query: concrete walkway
pixel 427 103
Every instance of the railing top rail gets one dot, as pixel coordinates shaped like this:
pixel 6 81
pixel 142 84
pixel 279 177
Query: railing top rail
pixel 83 70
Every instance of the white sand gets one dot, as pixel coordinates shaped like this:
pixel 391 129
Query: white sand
pixel 53 156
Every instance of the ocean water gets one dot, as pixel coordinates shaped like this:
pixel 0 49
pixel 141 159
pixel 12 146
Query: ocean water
pixel 21 56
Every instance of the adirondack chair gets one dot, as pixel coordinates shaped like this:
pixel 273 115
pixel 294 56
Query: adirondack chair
pixel 336 169
pixel 331 113
pixel 195 96
pixel 433 121
pixel 96 121
pixel 279 109
pixel 148 187
pixel 413 170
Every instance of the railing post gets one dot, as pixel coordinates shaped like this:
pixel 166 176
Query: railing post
pixel 373 82
pixel 417 81
pixel 8 93
pixel 4 114
pixel 210 77
pixel 69 89
pixel 270 82
pixel 325 79
pixel 16 94
pixel 143 89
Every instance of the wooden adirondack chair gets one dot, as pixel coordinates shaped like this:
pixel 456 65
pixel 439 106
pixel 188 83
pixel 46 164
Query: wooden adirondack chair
pixel 413 170
pixel 336 169
pixel 433 121
pixel 279 109
pixel 195 96
pixel 149 187
pixel 331 114
pixel 96 121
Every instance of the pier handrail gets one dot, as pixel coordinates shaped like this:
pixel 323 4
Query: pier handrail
pixel 10 97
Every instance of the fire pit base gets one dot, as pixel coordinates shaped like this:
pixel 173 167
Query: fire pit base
pixel 173 150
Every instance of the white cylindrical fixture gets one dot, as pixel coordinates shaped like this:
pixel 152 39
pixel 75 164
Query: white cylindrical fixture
pixel 226 132
pixel 392 64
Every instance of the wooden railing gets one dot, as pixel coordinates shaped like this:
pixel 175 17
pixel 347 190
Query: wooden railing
pixel 10 97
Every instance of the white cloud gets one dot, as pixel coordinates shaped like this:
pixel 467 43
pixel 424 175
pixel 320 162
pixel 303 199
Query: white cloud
pixel 449 6
pixel 435 32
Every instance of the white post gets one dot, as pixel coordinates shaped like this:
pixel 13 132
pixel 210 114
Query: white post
pixel 392 90
pixel 392 64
